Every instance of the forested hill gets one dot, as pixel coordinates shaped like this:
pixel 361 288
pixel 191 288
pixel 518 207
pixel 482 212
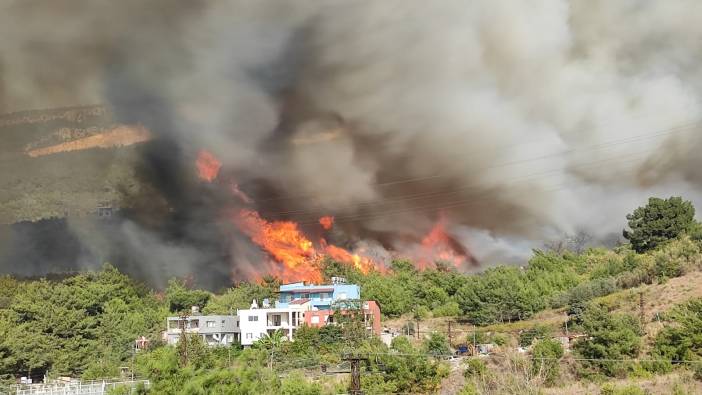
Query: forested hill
pixel 85 325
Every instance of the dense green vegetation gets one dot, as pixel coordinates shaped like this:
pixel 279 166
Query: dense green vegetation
pixel 659 221
pixel 85 325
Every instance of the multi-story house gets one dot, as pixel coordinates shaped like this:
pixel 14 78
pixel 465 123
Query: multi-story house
pixel 299 304
pixel 321 297
pixel 369 309
pixel 256 323
pixel 215 330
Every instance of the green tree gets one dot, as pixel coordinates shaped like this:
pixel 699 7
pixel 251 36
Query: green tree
pixel 498 295
pixel 659 221
pixel 683 340
pixel 436 344
pixel 180 298
pixel 612 337
pixel 240 297
pixel 546 356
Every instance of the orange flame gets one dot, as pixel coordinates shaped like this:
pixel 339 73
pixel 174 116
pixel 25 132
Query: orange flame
pixel 207 165
pixel 362 264
pixel 327 222
pixel 287 245
pixel 437 245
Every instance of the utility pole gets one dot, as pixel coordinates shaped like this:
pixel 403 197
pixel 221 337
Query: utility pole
pixel 449 332
pixel 184 337
pixel 418 330
pixel 355 373
pixel 475 349
pixel 642 316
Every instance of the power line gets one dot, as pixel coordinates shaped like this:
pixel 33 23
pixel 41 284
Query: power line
pixel 607 144
pixel 434 194
pixel 428 208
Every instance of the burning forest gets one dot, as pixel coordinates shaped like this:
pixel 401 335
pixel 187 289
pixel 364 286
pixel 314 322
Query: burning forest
pixel 231 140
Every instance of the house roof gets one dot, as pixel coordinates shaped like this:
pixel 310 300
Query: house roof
pixel 300 301
pixel 309 290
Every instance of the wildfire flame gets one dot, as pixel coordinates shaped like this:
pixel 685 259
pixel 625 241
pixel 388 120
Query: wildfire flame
pixel 207 165
pixel 438 245
pixel 327 222
pixel 287 245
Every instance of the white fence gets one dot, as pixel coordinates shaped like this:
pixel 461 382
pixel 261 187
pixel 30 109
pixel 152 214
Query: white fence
pixel 76 388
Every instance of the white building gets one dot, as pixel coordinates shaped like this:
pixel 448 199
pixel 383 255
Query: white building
pixel 254 323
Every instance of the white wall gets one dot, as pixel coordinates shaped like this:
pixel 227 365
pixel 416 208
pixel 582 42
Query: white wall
pixel 251 330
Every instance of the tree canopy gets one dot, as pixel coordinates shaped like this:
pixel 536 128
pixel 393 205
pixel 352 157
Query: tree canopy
pixel 659 221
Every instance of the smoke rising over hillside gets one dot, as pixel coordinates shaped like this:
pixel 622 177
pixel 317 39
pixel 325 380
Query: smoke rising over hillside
pixel 518 122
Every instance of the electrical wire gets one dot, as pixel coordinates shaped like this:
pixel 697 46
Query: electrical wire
pixel 607 144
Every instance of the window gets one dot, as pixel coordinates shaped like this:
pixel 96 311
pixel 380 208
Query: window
pixel 276 320
pixel 249 335
pixel 210 324
pixel 253 318
pixel 222 323
pixel 315 319
pixel 194 323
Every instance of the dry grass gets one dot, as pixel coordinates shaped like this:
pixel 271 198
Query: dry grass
pixel 683 382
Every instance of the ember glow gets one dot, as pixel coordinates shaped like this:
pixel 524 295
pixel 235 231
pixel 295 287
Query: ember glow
pixel 327 222
pixel 207 166
pixel 296 255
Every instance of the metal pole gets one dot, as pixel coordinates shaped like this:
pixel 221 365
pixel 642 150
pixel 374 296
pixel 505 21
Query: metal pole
pixel 355 377
pixel 449 332
pixel 474 341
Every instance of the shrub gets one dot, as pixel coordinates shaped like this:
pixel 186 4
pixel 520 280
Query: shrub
pixel 436 344
pixel 469 389
pixel 634 278
pixel 450 309
pixel 422 313
pixel 611 337
pixel 547 355
pixel 500 339
pixel 676 259
pixel 586 291
pixel 527 337
pixel 682 341
pixel 296 384
pixel 474 367
pixel 477 337
pixel 610 389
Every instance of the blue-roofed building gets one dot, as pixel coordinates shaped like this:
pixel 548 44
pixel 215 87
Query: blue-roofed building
pixel 319 296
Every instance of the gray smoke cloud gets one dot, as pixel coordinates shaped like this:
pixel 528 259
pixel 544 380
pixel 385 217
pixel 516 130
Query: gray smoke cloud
pixel 519 121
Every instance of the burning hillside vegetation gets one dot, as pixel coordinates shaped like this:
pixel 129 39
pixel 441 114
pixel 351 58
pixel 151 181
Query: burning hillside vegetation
pixel 230 133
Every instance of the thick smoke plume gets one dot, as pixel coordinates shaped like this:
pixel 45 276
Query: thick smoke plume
pixel 518 122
